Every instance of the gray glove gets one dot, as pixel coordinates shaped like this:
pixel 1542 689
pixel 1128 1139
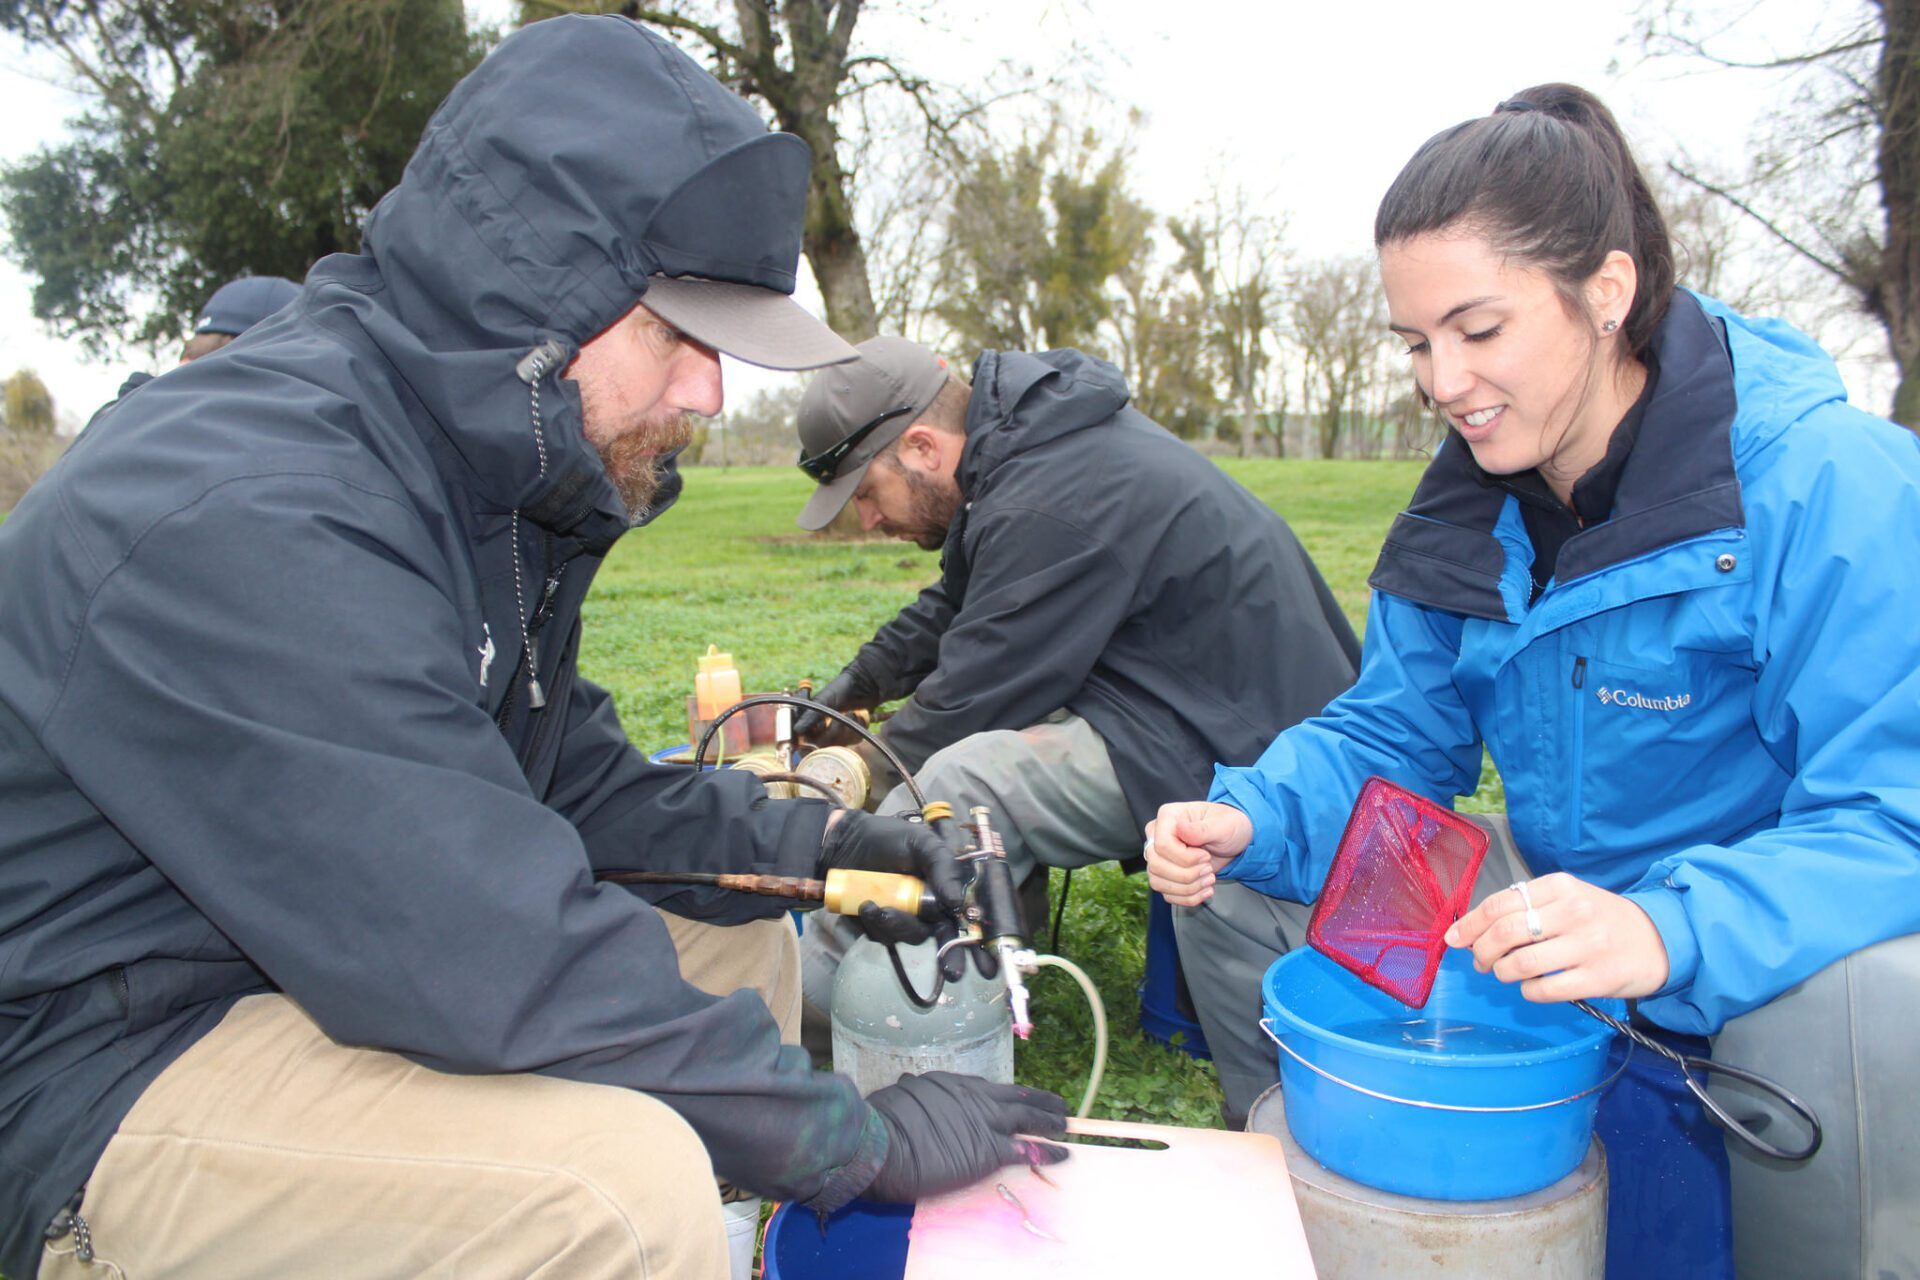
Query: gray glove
pixel 946 1130
pixel 848 691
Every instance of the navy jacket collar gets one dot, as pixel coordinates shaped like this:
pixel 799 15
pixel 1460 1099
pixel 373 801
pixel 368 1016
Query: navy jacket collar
pixel 1678 483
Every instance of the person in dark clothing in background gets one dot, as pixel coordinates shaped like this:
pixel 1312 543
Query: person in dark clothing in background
pixel 1113 616
pixel 234 308
pixel 304 967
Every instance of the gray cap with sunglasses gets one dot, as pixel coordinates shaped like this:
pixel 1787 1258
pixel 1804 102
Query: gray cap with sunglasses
pixel 850 412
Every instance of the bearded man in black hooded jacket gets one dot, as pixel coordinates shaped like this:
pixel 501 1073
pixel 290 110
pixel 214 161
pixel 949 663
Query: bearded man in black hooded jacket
pixel 304 967
pixel 1114 614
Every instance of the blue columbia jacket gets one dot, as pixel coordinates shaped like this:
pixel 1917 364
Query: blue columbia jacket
pixel 265 715
pixel 1713 708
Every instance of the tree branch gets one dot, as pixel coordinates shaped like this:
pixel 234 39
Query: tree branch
pixel 1698 48
pixel 840 41
pixel 1834 269
pixel 673 21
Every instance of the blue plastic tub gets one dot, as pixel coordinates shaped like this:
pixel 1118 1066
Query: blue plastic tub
pixel 1478 1096
pixel 860 1242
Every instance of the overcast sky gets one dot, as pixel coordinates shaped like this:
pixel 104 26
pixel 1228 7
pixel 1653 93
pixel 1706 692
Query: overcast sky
pixel 1311 107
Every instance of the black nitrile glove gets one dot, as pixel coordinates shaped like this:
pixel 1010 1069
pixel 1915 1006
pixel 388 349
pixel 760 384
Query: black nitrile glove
pixel 848 691
pixel 870 843
pixel 946 1130
pixel 889 925
pixel 865 842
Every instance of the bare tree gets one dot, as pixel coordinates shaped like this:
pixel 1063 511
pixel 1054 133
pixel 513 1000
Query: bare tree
pixel 800 59
pixel 1338 328
pixel 1834 178
pixel 1236 257
pixel 1157 335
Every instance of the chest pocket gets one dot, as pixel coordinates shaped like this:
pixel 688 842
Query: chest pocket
pixel 1662 755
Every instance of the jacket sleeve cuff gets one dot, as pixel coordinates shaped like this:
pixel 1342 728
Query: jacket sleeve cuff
pixel 1261 858
pixel 1669 917
pixel 858 1173
pixel 871 681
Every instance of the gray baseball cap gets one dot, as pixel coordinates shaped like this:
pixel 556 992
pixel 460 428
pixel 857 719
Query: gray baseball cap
pixel 761 326
pixel 850 412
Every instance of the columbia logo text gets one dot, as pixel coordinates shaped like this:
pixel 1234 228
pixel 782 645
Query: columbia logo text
pixel 1640 701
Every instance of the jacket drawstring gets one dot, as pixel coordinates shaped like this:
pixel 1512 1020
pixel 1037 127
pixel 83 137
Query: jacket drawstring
pixel 532 367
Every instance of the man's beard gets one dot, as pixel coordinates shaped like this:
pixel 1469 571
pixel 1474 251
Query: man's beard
pixel 931 505
pixel 633 461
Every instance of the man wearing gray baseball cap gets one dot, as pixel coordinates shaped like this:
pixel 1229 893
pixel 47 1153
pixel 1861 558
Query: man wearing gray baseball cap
pixel 848 421
pixel 1114 614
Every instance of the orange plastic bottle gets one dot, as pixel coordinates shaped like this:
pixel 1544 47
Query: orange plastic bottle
pixel 716 686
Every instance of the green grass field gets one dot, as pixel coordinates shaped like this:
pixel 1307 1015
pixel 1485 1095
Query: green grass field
pixel 726 566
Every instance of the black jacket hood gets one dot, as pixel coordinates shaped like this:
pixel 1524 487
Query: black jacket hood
pixel 1023 400
pixel 514 227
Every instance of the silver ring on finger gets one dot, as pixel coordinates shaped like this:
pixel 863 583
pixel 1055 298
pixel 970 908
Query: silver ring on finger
pixel 1534 930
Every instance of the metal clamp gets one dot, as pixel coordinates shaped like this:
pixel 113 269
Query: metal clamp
pixel 1444 1106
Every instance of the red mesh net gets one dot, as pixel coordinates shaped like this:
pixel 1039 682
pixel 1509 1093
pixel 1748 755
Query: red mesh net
pixel 1403 873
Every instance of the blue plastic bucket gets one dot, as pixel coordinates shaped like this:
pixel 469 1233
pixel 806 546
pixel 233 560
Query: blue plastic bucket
pixel 679 754
pixel 859 1242
pixel 1478 1096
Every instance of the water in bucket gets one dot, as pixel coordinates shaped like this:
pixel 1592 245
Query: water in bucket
pixel 1441 1035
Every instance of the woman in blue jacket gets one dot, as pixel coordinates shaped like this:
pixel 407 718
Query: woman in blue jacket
pixel 1658 567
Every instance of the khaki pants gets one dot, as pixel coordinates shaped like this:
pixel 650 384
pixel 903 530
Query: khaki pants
pixel 267 1150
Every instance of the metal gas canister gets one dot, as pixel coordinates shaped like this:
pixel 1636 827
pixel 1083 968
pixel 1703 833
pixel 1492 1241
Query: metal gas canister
pixel 880 1035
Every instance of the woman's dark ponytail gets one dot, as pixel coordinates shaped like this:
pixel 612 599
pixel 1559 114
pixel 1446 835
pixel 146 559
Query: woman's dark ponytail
pixel 1549 179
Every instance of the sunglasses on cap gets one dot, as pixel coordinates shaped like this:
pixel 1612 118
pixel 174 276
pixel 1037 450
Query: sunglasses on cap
pixel 823 466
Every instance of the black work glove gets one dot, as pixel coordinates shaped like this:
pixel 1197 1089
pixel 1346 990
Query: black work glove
pixel 946 1130
pixel 870 843
pixel 848 691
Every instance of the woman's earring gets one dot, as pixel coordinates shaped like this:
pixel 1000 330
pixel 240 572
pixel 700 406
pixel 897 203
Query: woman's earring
pixel 1609 326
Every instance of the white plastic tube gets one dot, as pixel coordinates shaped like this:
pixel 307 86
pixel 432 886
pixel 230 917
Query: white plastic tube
pixel 1099 1026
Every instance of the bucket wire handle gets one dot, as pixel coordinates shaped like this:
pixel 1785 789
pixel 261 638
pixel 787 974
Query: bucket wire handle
pixel 1266 1025
pixel 1688 1064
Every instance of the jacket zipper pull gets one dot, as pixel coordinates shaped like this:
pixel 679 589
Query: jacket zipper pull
pixel 1579 673
pixel 534 365
pixel 68 1222
pixel 536 696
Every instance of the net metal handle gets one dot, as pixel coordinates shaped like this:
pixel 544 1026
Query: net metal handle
pixel 1688 1065
pixel 1424 1105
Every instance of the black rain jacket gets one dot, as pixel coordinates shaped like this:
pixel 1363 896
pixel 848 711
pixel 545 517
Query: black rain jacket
pixel 1101 565
pixel 264 714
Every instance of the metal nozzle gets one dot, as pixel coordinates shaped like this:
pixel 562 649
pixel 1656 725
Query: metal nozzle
pixel 1016 960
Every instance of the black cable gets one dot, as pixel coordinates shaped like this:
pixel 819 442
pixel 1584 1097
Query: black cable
pixel 906 983
pixel 794 700
pixel 1060 909
pixel 1688 1064
pixel 802 780
pixel 659 877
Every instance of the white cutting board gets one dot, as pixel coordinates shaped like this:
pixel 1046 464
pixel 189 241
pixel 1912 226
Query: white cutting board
pixel 1212 1203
